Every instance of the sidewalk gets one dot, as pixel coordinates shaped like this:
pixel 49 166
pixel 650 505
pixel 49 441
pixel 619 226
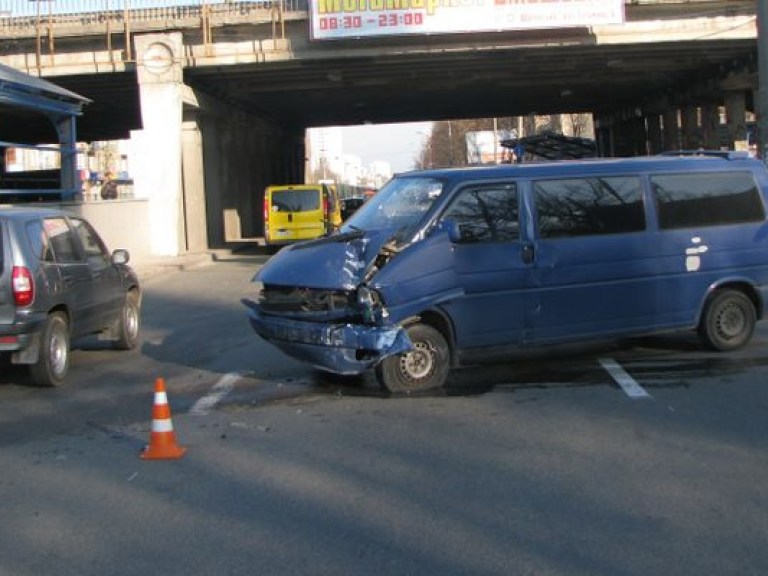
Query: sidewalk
pixel 157 266
pixel 148 268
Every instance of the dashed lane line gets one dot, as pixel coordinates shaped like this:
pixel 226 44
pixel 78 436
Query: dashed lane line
pixel 628 384
pixel 223 387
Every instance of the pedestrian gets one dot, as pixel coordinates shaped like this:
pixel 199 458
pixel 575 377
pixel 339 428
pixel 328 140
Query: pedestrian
pixel 109 187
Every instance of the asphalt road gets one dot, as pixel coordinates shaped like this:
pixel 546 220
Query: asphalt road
pixel 555 465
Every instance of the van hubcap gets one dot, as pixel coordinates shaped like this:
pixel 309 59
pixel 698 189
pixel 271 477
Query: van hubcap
pixel 730 322
pixel 417 363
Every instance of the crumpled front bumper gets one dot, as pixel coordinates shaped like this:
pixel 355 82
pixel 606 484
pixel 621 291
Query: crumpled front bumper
pixel 334 347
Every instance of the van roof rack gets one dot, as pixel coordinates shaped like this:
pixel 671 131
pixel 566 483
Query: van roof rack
pixel 725 154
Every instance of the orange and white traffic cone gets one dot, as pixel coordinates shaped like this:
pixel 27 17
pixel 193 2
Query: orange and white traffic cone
pixel 162 441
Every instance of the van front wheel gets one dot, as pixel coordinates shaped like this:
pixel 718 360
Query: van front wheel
pixel 728 321
pixel 425 367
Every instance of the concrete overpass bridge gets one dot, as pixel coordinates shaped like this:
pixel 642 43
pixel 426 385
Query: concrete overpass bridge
pixel 215 96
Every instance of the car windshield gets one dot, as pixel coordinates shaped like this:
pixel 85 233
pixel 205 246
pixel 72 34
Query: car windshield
pixel 399 205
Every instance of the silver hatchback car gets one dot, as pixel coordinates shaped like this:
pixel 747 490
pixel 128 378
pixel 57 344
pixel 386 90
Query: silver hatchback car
pixel 58 282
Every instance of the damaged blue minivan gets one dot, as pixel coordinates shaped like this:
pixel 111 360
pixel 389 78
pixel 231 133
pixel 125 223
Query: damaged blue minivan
pixel 442 268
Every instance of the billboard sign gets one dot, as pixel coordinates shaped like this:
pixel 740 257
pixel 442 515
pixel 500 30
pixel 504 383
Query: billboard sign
pixel 485 147
pixel 336 19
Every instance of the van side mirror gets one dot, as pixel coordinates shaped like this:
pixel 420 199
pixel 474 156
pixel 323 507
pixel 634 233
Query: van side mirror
pixel 452 228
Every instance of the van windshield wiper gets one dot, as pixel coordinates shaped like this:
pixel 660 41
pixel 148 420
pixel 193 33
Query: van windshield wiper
pixel 356 234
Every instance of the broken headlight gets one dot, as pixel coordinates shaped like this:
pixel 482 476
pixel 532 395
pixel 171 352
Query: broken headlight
pixel 369 304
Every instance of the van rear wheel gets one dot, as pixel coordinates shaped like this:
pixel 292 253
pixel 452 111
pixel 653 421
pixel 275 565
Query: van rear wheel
pixel 728 321
pixel 425 367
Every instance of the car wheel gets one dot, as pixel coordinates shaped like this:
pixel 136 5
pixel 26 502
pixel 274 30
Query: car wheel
pixel 425 367
pixel 52 365
pixel 129 322
pixel 728 321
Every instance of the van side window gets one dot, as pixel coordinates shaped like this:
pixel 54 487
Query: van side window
pixel 488 214
pixel 589 206
pixel 706 199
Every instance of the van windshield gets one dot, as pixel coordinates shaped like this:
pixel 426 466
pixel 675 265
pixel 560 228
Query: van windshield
pixel 399 205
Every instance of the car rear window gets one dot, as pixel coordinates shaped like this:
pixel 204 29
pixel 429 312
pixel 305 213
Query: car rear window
pixel 38 241
pixel 62 240
pixel 295 200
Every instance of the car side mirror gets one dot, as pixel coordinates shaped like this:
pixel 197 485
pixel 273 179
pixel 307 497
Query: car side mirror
pixel 120 256
pixel 452 228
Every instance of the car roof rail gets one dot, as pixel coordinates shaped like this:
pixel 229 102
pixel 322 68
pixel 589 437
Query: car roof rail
pixel 725 154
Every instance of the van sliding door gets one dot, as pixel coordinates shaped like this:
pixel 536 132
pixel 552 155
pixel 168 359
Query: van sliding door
pixel 594 263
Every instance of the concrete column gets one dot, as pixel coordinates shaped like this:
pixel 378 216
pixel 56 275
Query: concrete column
pixel 671 130
pixel 194 220
pixel 761 96
pixel 736 120
pixel 655 138
pixel 689 124
pixel 158 147
pixel 710 120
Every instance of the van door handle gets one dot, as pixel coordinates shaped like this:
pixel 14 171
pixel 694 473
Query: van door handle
pixel 526 253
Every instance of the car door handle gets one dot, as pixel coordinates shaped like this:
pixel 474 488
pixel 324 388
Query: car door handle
pixel 526 253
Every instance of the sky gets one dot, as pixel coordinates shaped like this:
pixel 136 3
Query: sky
pixel 398 144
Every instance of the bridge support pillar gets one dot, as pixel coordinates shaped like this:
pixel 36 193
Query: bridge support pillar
pixel 671 129
pixel 689 124
pixel 158 170
pixel 710 120
pixel 655 138
pixel 736 119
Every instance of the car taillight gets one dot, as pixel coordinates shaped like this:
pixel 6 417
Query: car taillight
pixel 266 215
pixel 23 286
pixel 325 207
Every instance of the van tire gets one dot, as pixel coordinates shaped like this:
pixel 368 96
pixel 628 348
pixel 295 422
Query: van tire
pixel 52 364
pixel 425 367
pixel 728 320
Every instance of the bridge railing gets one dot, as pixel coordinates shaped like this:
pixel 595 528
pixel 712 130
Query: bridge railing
pixel 44 21
pixel 15 9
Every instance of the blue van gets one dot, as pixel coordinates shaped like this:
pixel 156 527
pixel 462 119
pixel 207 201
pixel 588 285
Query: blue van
pixel 444 267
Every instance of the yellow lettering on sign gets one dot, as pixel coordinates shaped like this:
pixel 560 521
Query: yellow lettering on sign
pixel 431 6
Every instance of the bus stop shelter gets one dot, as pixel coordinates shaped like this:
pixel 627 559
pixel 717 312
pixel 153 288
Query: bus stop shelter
pixel 51 112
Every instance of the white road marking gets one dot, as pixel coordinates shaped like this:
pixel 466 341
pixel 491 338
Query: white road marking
pixel 223 387
pixel 628 384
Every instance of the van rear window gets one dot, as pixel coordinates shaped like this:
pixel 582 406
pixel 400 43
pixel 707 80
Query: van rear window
pixel 296 200
pixel 707 199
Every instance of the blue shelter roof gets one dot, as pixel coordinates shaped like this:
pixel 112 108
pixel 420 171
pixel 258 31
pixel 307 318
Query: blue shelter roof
pixel 21 90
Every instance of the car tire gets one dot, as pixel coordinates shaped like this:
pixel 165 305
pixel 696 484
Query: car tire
pixel 128 323
pixel 728 321
pixel 423 368
pixel 52 365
